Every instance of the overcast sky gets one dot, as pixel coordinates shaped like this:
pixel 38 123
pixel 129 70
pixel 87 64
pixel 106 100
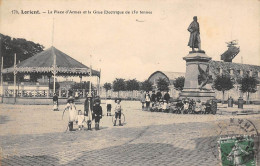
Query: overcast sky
pixel 136 45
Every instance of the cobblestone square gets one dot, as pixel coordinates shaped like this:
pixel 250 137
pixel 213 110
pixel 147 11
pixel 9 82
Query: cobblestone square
pixel 35 135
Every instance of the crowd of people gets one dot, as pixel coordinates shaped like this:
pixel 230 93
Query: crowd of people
pixel 150 100
pixel 156 102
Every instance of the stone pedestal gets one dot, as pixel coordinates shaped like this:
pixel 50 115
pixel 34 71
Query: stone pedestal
pixel 191 86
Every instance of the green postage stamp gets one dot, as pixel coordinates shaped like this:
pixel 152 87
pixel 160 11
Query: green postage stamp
pixel 237 151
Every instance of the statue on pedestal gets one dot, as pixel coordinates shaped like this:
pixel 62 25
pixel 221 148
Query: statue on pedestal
pixel 194 30
pixel 197 74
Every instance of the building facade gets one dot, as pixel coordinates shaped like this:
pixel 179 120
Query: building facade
pixel 235 70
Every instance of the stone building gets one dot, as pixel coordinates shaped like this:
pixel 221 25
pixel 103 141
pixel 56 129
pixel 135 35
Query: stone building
pixel 235 70
pixel 169 77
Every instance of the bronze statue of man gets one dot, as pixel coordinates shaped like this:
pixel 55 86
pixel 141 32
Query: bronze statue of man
pixel 194 30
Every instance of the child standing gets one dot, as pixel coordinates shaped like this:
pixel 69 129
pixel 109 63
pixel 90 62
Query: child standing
pixel 80 119
pixel 109 106
pixel 118 110
pixel 97 111
pixel 72 112
pixel 147 100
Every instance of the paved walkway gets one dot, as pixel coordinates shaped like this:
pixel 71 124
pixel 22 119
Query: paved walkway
pixel 247 109
pixel 34 135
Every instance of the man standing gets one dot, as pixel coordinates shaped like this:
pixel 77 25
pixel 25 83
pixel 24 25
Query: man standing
pixel 166 96
pixel 88 107
pixel 153 98
pixel 147 100
pixel 55 102
pixel 194 30
pixel 142 99
pixel 159 95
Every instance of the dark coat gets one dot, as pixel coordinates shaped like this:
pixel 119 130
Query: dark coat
pixel 158 96
pixel 56 98
pixel 166 97
pixel 153 97
pixel 194 30
pixel 86 106
pixel 97 111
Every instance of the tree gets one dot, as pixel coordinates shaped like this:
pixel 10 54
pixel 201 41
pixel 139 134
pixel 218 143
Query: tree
pixel 24 49
pixel 146 85
pixel 107 87
pixel 179 83
pixel 248 85
pixel 132 85
pixel 162 84
pixel 119 85
pixel 223 83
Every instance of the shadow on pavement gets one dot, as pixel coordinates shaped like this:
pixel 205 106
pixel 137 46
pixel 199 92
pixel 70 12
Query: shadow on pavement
pixel 3 119
pixel 30 160
pixel 145 154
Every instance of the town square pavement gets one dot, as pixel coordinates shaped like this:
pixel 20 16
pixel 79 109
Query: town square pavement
pixel 36 135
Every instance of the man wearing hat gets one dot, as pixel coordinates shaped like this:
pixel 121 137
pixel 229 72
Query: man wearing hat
pixel 55 100
pixel 158 95
pixel 167 96
pixel 88 107
pixel 97 111
pixel 153 98
pixel 142 99
pixel 194 30
pixel 147 100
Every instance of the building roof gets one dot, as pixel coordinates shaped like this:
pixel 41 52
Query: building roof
pixel 215 67
pixel 46 59
pixel 43 62
pixel 171 76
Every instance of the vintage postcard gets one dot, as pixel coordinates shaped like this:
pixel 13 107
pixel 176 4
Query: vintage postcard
pixel 130 82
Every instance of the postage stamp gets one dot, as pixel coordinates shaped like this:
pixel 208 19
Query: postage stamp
pixel 238 143
pixel 237 151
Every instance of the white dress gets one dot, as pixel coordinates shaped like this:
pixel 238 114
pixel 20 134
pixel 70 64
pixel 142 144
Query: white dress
pixel 80 119
pixel 72 112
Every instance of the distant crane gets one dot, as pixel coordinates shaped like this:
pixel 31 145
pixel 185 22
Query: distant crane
pixel 231 52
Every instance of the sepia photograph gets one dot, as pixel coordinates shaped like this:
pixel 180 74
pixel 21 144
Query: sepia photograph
pixel 130 82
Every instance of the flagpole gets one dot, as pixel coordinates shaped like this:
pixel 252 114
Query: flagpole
pixel 54 59
pixel 90 76
pixel 14 76
pixel 99 81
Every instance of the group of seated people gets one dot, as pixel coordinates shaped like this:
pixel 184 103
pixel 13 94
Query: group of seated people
pixel 184 106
